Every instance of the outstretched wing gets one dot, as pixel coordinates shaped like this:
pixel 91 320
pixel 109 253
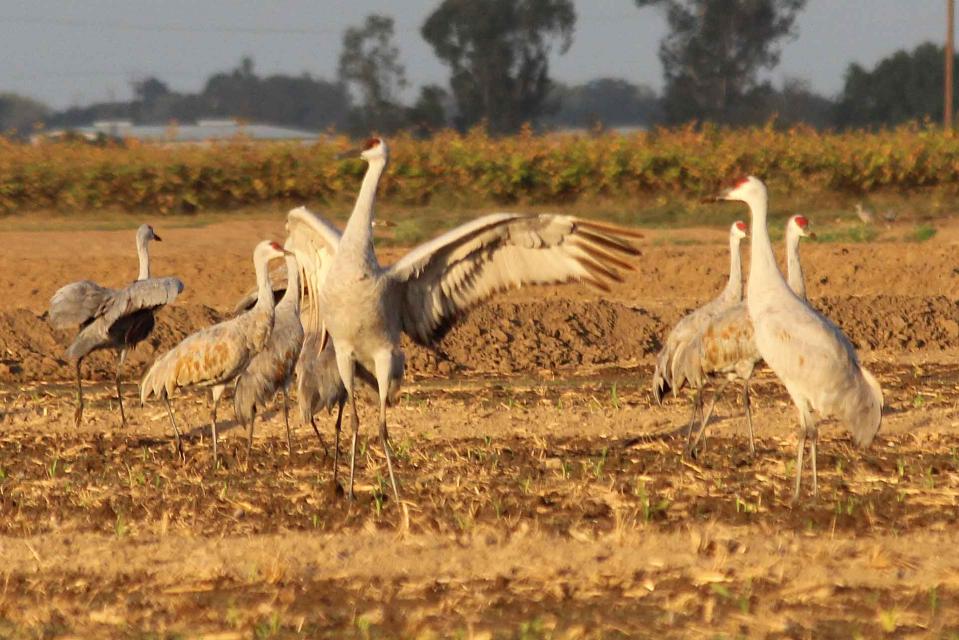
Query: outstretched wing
pixel 77 304
pixel 443 278
pixel 139 296
pixel 277 280
pixel 142 294
pixel 313 240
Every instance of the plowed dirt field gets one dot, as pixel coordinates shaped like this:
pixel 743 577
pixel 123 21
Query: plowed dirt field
pixel 545 495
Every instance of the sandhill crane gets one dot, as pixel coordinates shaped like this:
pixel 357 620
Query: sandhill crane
pixel 117 319
pixel 726 346
pixel 271 370
pixel 810 355
pixel 865 216
pixel 217 354
pixel 364 307
pixel 691 325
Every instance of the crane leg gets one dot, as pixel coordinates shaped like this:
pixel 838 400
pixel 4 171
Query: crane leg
pixel 356 430
pixel 814 437
pixel 807 429
pixel 78 413
pixel 123 417
pixel 697 410
pixel 383 363
pixel 286 420
pixel 709 413
pixel 176 431
pixel 387 449
pixel 800 450
pixel 336 445
pixel 217 394
pixel 249 438
pixel 213 435
pixel 749 417
pixel 316 430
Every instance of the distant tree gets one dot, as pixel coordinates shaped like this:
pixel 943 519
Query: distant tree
pixel 906 85
pixel 234 92
pixel 19 114
pixel 428 113
pixel 150 89
pixel 797 103
pixel 370 66
pixel 301 101
pixel 713 53
pixel 498 54
pixel 297 101
pixel 609 102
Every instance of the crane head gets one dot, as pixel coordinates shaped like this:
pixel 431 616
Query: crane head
pixel 799 225
pixel 745 189
pixel 146 233
pixel 739 230
pixel 268 250
pixel 373 149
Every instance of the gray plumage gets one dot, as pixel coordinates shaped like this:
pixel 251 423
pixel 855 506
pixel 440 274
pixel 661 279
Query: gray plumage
pixel 277 281
pixel 75 305
pixel 726 347
pixel 809 354
pixel 692 324
pixel 125 317
pixel 216 355
pixel 364 308
pixel 117 319
pixel 271 369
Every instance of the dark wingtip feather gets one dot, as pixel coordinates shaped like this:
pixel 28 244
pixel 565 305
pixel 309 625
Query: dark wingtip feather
pixel 610 229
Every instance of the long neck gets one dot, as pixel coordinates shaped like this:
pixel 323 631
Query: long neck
pixel 143 253
pixel 264 289
pixel 763 270
pixel 734 287
pixel 291 299
pixel 359 229
pixel 794 274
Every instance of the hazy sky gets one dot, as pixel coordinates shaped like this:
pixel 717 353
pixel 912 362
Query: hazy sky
pixel 67 53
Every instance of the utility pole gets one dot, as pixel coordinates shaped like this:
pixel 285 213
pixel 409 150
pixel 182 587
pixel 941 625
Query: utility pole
pixel 950 28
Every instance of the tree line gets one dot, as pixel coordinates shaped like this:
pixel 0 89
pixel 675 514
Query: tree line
pixel 498 52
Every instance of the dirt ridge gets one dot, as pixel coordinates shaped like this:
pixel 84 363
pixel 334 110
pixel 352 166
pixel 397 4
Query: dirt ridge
pixel 504 337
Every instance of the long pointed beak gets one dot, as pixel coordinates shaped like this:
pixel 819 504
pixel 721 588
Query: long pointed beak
pixel 287 253
pixel 719 197
pixel 349 153
pixel 812 236
pixel 157 238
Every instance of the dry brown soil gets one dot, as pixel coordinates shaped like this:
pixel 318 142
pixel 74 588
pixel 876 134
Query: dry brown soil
pixel 533 511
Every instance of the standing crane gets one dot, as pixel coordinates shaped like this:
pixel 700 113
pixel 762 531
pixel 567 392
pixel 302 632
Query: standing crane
pixel 810 355
pixel 218 354
pixel 691 325
pixel 364 308
pixel 117 319
pixel 271 370
pixel 727 346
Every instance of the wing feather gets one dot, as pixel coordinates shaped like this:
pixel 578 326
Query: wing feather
pixel 313 240
pixel 142 295
pixel 76 304
pixel 440 280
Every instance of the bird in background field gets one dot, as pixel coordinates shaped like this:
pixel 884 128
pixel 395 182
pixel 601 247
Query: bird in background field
pixel 216 355
pixel 364 308
pixel 117 319
pixel 809 354
pixel 727 346
pixel 865 216
pixel 691 325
